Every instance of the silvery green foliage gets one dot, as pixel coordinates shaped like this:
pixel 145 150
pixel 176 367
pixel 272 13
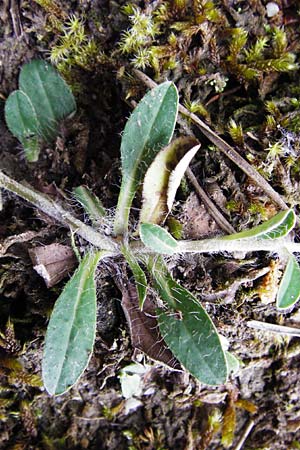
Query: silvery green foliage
pixel 71 331
pixel 289 288
pixel 188 330
pixel 157 239
pixel 149 128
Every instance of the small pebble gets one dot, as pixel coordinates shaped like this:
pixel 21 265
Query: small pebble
pixel 272 9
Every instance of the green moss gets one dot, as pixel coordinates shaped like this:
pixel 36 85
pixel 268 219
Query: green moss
pixel 268 54
pixel 74 47
pixel 236 132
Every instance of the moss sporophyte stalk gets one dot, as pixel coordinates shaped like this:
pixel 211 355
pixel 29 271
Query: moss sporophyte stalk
pixel 151 160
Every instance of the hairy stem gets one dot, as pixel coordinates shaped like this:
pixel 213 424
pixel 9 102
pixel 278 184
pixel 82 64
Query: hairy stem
pixel 57 212
pixel 239 245
pixel 278 245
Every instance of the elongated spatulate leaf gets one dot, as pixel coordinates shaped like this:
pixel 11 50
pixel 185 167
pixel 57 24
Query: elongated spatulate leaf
pixel 149 128
pixel 289 288
pixel 91 204
pixel 158 239
pixel 138 273
pixel 279 226
pixel 189 331
pixel 71 330
pixel 34 111
pixel 156 181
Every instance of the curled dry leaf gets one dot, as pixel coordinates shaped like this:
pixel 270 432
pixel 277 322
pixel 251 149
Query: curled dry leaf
pixel 169 164
pixel 178 173
pixel 143 326
pixel 18 238
pixel 53 262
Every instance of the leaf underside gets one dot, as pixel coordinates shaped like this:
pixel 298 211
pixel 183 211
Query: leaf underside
pixel 71 331
pixel 177 175
pixel 156 182
pixel 279 226
pixel 289 288
pixel 149 128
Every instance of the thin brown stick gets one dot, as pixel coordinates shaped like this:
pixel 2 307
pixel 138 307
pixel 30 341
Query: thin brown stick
pixel 207 201
pixel 209 205
pixel 273 328
pixel 15 17
pixel 224 147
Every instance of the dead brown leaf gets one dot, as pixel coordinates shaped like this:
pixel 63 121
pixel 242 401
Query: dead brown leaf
pixel 143 326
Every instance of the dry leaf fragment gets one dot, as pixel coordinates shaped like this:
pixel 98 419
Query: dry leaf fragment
pixel 16 239
pixel 53 262
pixel 144 331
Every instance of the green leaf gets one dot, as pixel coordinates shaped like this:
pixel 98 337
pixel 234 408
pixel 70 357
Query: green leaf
pixel 157 238
pixel 279 226
pixel 289 288
pixel 232 363
pixel 34 111
pixel 71 331
pixel 188 330
pixel 22 121
pixel 49 94
pixel 156 181
pixel 138 273
pixel 91 204
pixel 149 128
pixel 175 227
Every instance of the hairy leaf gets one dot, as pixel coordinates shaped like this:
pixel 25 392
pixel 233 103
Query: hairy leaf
pixel 177 175
pixel 156 181
pixel 188 330
pixel 91 204
pixel 289 288
pixel 149 128
pixel 279 226
pixel 157 238
pixel 71 330
pixel 34 111
pixel 138 273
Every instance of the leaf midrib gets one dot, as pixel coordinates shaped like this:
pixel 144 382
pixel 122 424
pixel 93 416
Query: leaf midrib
pixel 83 280
pixel 147 137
